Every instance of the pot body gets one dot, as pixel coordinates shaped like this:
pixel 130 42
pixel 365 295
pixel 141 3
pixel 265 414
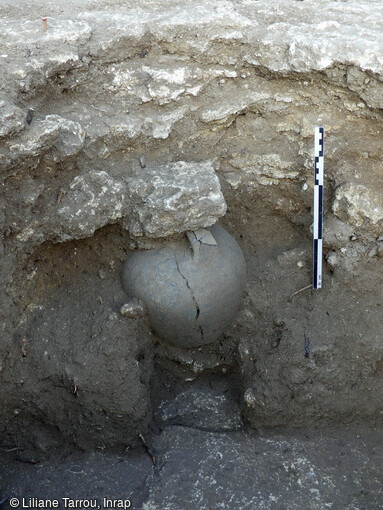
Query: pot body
pixel 191 295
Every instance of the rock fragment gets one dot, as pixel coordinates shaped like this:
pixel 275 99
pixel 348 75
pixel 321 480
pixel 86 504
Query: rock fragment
pixel 173 198
pixel 12 119
pixel 360 206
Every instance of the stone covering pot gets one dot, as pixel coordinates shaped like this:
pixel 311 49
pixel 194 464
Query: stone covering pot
pixel 191 289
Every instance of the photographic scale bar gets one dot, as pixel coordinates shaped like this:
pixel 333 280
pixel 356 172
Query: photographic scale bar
pixel 318 206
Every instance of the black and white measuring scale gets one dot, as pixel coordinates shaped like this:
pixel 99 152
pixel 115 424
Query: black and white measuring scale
pixel 318 206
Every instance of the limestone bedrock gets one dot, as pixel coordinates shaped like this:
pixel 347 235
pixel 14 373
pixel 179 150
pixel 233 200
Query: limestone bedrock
pixel 162 201
pixel 108 83
pixel 191 294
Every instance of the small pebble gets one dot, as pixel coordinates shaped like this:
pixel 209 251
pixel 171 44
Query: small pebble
pixel 132 309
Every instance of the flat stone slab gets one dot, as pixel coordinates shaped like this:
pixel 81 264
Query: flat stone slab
pixel 198 469
pixel 244 471
pixel 77 475
pixel 157 202
pixel 205 404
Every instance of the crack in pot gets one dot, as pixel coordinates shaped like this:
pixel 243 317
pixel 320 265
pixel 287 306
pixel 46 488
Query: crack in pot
pixel 192 296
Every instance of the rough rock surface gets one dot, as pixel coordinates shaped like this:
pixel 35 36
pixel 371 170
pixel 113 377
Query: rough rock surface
pixel 207 403
pixel 113 96
pixel 160 202
pixel 210 470
pixel 174 198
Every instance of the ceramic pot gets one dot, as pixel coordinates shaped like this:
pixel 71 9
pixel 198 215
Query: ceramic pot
pixel 191 289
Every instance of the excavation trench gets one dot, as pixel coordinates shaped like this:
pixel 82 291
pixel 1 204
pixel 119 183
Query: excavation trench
pixel 116 137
